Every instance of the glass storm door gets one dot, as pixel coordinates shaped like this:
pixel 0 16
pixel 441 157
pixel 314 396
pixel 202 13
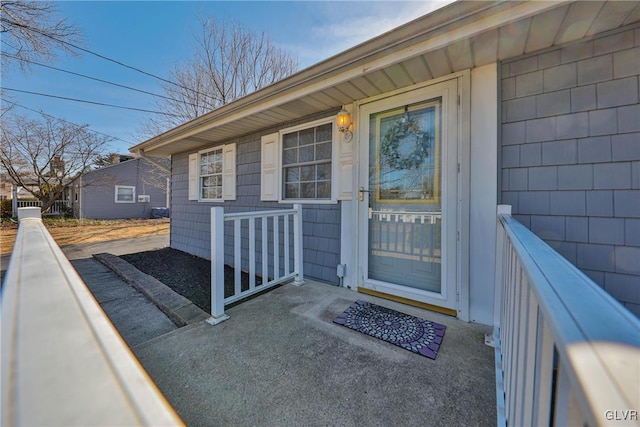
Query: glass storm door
pixel 407 195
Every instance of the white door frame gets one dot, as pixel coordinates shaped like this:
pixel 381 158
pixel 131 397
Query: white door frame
pixel 352 253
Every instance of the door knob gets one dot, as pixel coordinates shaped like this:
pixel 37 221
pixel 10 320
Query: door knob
pixel 361 193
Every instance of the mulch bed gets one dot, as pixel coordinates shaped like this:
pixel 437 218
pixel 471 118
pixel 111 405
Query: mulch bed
pixel 186 274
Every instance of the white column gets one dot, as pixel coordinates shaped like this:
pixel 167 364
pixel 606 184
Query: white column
pixel 217 266
pixel 297 245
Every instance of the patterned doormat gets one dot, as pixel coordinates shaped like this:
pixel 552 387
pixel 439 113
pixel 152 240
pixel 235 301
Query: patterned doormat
pixel 411 333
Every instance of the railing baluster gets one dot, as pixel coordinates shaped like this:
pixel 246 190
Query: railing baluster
pixel 530 360
pixel 237 258
pixel 265 254
pixel 286 244
pixel 276 247
pixel 523 314
pixel 543 382
pixel 252 253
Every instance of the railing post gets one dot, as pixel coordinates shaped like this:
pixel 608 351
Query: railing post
pixel 297 245
pixel 26 213
pixel 75 338
pixel 217 267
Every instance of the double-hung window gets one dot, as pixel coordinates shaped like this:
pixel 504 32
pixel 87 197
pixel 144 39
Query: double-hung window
pixel 212 174
pixel 306 163
pixel 309 163
pixel 125 194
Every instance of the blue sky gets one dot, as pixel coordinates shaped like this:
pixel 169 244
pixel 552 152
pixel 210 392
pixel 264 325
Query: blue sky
pixel 156 35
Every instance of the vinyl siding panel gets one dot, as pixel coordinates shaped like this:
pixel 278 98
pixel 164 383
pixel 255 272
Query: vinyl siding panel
pixel 98 191
pixel 577 113
pixel 190 219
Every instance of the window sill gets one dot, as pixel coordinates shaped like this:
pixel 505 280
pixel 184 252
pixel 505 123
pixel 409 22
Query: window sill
pixel 309 201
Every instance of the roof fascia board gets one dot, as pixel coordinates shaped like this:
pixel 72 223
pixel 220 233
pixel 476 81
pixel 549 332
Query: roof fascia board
pixel 108 167
pixel 287 90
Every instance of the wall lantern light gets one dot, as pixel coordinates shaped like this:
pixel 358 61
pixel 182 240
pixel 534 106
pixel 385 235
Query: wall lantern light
pixel 344 123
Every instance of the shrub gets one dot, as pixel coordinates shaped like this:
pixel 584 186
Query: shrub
pixel 5 209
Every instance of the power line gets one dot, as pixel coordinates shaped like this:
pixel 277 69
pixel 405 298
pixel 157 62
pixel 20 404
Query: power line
pixel 108 59
pixel 89 102
pixel 96 79
pixel 68 122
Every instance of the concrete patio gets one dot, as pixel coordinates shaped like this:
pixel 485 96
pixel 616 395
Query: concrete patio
pixel 280 359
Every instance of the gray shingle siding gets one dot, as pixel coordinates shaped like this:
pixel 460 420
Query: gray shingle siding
pixel 570 163
pixel 190 220
pixel 98 192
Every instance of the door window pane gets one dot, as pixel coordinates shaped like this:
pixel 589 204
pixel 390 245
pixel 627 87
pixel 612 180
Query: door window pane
pixel 405 213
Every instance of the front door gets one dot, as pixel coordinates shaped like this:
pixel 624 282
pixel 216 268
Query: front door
pixel 407 207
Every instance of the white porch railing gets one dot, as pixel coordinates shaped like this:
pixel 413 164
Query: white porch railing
pixel 279 229
pixel 403 234
pixel 58 207
pixel 62 361
pixel 567 353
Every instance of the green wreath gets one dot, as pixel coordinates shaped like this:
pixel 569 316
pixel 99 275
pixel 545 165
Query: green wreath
pixel 390 144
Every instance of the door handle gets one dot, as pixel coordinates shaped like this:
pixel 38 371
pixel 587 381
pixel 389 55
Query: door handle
pixel 361 194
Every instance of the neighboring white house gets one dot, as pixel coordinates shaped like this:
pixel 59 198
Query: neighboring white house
pixel 532 104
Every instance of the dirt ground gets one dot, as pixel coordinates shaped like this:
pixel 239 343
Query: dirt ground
pixel 71 231
pixel 188 275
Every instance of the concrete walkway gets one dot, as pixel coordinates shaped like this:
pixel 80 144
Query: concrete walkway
pixel 137 319
pixel 281 361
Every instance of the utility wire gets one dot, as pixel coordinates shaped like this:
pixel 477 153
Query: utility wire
pixel 68 122
pixel 26 27
pixel 96 79
pixel 89 102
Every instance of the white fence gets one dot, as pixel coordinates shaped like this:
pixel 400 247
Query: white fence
pixel 279 239
pixel 567 353
pixel 62 361
pixel 58 207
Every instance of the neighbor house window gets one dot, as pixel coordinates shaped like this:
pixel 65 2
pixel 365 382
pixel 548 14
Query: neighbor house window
pixel 211 175
pixel 306 163
pixel 125 194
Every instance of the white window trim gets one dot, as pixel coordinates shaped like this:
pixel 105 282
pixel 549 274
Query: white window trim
pixel 200 153
pixel 334 143
pixel 228 174
pixel 133 199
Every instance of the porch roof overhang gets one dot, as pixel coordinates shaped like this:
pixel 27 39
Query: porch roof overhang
pixel 460 36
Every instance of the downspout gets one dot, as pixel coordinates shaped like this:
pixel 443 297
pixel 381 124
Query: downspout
pixel 81 198
pixel 14 200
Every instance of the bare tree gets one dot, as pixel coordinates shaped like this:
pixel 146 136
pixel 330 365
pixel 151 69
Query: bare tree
pixel 33 31
pixel 228 62
pixel 46 155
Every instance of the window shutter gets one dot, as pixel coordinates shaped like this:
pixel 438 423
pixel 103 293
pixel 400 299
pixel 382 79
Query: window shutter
pixel 229 172
pixel 193 176
pixel 343 169
pixel 269 168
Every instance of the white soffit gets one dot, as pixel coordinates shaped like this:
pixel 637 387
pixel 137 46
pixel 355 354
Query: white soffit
pixel 460 36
